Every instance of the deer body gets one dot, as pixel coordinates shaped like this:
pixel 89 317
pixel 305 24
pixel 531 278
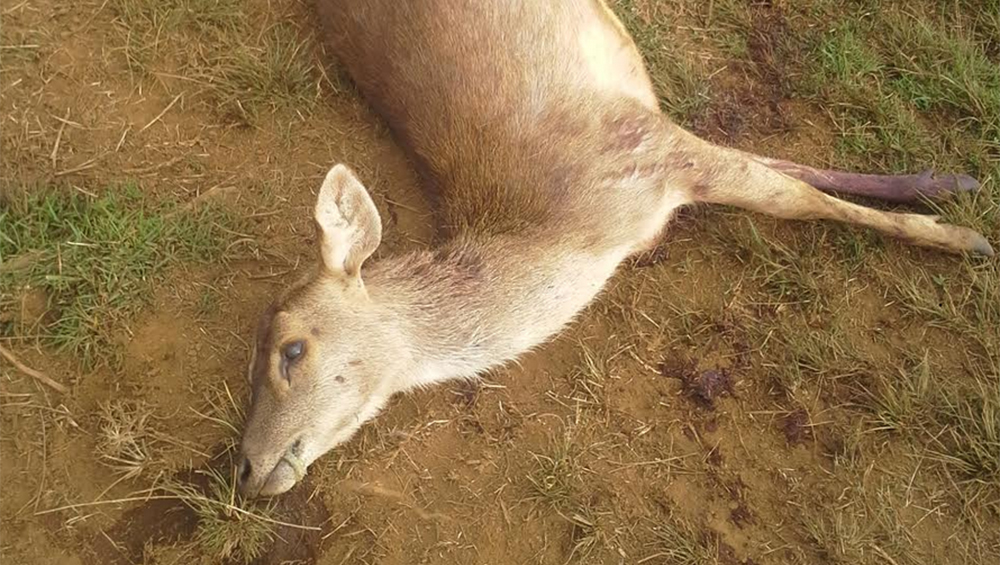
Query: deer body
pixel 535 127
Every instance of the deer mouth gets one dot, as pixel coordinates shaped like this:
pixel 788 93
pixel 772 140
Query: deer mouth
pixel 287 472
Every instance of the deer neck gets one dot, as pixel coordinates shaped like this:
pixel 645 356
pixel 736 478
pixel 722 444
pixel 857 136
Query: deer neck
pixel 471 305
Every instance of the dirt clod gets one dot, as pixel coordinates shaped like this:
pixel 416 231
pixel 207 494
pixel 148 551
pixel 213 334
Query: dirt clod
pixel 795 426
pixel 705 387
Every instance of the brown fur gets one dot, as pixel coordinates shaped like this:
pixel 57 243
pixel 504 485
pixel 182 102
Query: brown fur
pixel 536 126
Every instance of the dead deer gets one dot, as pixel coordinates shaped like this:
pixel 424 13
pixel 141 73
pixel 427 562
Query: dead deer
pixel 537 126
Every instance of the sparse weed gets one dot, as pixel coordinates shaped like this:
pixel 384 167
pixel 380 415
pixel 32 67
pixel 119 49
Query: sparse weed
pixel 127 439
pixel 152 30
pixel 972 435
pixel 679 543
pixel 589 379
pixel 818 358
pixel 557 483
pixel 586 534
pixel 228 528
pixel 556 477
pixel 789 275
pixel 207 302
pixel 242 70
pixel 223 410
pixel 965 301
pixel 273 73
pixel 901 399
pixel 843 537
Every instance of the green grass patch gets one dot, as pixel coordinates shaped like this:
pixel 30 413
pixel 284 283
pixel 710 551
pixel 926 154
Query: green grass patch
pixel 845 56
pixel 789 272
pixel 956 422
pixel 866 527
pixel 908 89
pixel 555 480
pixel 939 68
pixel 972 446
pixel 97 260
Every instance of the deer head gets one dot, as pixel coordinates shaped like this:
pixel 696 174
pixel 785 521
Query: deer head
pixel 325 358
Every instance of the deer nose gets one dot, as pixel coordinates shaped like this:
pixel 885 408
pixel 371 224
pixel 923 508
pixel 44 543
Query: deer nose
pixel 244 469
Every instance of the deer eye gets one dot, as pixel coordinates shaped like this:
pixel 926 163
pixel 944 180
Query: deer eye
pixel 289 353
pixel 293 350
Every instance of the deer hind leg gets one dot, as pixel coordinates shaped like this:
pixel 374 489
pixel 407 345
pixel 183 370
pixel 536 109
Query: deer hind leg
pixel 723 176
pixel 891 188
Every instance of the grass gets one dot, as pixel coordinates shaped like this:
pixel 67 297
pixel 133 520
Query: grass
pixel 587 381
pixel 557 482
pixel 679 543
pixel 900 399
pixel 556 478
pixel 846 58
pixel 898 80
pixel 97 260
pixel 972 443
pixel 228 529
pixel 789 277
pixel 965 301
pixel 803 361
pixel 242 72
pixel 268 75
pixel 152 30
pixel 944 70
pixel 956 423
pixel 844 537
pixel 224 410
pixel 907 89
pixel 126 441
pixel 678 77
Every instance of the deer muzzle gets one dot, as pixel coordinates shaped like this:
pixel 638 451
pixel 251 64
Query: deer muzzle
pixel 263 476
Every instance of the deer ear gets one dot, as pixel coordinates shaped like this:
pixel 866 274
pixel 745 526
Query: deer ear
pixel 348 224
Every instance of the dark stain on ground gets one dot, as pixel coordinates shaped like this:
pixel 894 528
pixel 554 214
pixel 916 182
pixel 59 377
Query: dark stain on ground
pixel 157 522
pixel 170 521
pixel 471 425
pixel 466 393
pixel 674 368
pixel 703 387
pixel 751 92
pixel 739 513
pixel 715 458
pixel 301 505
pixel 711 426
pixel 795 426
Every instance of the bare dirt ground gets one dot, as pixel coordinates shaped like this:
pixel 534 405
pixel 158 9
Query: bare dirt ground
pixel 758 392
